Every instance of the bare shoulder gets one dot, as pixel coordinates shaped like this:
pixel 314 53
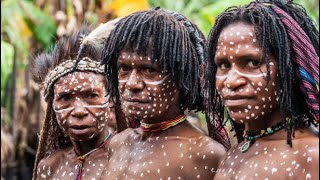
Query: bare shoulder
pixel 52 158
pixel 307 149
pixel 48 164
pixel 120 138
pixel 309 146
pixel 211 150
pixel 212 146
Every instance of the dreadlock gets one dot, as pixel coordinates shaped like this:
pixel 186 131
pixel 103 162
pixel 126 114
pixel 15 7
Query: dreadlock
pixel 274 39
pixel 175 42
pixel 51 135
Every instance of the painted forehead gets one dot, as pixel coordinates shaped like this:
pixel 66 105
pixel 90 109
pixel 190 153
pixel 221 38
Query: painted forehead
pixel 233 31
pixel 133 56
pixel 79 80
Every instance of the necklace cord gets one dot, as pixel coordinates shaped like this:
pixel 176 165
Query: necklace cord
pixel 82 158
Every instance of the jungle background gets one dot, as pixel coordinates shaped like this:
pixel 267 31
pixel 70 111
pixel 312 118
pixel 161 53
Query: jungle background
pixel 29 27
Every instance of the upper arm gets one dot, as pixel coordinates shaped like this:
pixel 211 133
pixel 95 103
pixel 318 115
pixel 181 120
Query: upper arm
pixel 43 169
pixel 210 156
pixel 49 164
pixel 309 158
pixel 312 161
pixel 216 153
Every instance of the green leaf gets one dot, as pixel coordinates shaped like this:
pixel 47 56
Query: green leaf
pixel 11 23
pixel 41 24
pixel 7 52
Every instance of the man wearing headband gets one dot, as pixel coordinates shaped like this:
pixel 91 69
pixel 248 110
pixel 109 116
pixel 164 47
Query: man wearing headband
pixel 262 68
pixel 153 60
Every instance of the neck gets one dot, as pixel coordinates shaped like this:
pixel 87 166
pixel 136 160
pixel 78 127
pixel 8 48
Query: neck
pixel 165 116
pixel 83 147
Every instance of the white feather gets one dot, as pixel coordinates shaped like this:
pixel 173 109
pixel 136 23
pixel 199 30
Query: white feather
pixel 97 37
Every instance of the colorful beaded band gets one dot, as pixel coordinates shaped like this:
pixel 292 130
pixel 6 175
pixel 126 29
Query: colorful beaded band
pixel 85 64
pixel 162 125
pixel 250 136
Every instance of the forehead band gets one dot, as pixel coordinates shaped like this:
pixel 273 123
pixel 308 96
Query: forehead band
pixel 85 64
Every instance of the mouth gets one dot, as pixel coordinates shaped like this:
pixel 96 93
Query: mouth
pixel 135 100
pixel 232 101
pixel 76 129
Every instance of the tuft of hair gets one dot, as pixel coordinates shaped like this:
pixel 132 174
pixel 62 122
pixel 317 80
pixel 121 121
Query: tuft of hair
pixel 169 42
pixel 51 135
pixel 273 39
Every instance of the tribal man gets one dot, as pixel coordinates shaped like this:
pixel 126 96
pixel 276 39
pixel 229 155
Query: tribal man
pixel 153 60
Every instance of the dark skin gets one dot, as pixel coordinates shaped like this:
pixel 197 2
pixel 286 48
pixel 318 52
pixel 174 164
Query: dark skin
pixel 180 152
pixel 240 73
pixel 81 108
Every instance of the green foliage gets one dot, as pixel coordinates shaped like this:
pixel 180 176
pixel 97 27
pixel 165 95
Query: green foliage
pixel 204 12
pixel 12 27
pixel 312 8
pixel 209 13
pixel 7 52
pixel 40 24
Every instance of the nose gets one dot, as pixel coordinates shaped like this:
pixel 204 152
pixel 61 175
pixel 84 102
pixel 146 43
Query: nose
pixel 134 82
pixel 79 109
pixel 234 80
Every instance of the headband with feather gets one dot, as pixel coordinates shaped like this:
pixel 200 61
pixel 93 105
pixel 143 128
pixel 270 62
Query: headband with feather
pixel 97 37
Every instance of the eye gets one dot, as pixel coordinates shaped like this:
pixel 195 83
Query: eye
pixel 64 97
pixel 123 68
pixel 253 63
pixel 224 65
pixel 92 95
pixel 150 71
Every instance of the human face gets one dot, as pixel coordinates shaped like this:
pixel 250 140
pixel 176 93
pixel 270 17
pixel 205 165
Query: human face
pixel 146 91
pixel 81 105
pixel 241 74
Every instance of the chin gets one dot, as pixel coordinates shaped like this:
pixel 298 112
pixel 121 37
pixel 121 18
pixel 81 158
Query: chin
pixel 241 119
pixel 83 137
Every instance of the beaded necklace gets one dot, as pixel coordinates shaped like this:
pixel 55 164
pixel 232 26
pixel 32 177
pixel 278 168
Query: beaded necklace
pixel 250 137
pixel 162 125
pixel 82 158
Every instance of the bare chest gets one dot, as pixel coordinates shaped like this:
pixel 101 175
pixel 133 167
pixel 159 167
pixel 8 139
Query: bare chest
pixel 156 160
pixel 265 162
pixel 67 168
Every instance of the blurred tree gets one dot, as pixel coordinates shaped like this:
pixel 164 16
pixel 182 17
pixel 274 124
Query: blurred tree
pixel 29 27
pixel 204 12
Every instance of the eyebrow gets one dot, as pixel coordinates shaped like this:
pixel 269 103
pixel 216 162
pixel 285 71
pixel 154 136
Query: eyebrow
pixel 62 93
pixel 89 89
pixel 239 57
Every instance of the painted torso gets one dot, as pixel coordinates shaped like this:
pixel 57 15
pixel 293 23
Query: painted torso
pixel 168 155
pixel 272 159
pixel 63 164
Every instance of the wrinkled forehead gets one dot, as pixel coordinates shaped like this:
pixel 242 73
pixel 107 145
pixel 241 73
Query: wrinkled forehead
pixel 80 78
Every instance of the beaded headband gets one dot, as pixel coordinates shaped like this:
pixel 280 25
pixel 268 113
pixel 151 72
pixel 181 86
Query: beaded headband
pixel 85 64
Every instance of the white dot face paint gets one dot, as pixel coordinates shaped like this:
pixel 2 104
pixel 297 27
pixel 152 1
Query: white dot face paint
pixel 81 105
pixel 151 95
pixel 241 75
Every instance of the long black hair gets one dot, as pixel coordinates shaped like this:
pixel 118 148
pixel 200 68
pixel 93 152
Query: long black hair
pixel 274 40
pixel 175 42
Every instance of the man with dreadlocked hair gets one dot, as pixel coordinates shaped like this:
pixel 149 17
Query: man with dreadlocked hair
pixel 74 139
pixel 263 63
pixel 153 58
